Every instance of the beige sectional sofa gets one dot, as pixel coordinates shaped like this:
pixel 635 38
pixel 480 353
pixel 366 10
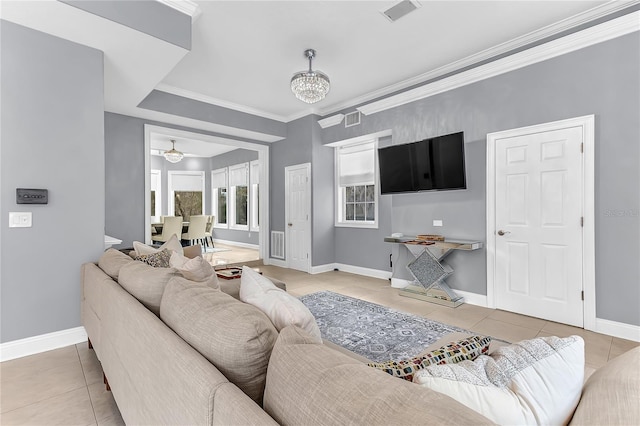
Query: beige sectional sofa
pixel 183 353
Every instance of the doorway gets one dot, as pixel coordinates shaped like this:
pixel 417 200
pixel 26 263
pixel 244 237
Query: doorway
pixel 298 216
pixel 540 221
pixel 262 171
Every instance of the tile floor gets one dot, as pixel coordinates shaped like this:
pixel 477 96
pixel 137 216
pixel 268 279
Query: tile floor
pixel 64 386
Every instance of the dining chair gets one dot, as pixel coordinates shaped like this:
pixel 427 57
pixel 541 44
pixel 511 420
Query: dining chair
pixel 196 230
pixel 208 233
pixel 172 226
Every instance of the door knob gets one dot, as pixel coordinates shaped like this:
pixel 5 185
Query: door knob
pixel 290 224
pixel 501 232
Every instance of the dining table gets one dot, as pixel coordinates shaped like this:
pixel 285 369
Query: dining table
pixel 156 228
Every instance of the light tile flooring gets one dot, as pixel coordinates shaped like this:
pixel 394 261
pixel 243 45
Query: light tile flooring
pixel 65 387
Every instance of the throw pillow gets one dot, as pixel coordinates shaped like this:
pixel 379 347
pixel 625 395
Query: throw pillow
pixel 196 269
pixel 172 244
pixel 157 260
pixel 282 308
pixel 112 260
pixel 536 381
pixel 465 349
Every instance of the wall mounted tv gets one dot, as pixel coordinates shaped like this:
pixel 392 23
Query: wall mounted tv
pixel 434 164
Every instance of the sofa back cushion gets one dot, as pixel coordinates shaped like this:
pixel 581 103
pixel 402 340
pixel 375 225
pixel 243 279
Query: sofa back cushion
pixel 112 260
pixel 310 383
pixel 146 283
pixel 235 337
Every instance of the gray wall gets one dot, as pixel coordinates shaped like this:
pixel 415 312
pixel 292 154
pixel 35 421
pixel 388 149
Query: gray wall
pixel 124 174
pixel 52 137
pixel 295 149
pixel 601 80
pixel 168 24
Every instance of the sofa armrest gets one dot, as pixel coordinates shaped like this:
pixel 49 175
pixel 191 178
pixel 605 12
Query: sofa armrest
pixel 610 396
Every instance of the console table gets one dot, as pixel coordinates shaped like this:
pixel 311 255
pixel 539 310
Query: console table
pixel 411 251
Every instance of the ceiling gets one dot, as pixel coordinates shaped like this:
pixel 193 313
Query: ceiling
pixel 245 52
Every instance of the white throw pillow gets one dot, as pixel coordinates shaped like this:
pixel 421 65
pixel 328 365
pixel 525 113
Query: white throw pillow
pixel 196 269
pixel 172 244
pixel 536 381
pixel 282 308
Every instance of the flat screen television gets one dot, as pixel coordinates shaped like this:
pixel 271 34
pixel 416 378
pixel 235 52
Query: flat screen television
pixel 434 164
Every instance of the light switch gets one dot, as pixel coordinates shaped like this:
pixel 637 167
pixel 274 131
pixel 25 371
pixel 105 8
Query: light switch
pixel 437 223
pixel 19 219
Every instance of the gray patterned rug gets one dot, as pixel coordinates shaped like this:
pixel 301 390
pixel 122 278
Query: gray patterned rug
pixel 376 332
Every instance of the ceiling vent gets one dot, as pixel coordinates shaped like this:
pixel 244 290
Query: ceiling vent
pixel 398 10
pixel 352 119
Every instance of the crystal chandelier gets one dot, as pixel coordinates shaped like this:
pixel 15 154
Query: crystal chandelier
pixel 172 155
pixel 310 86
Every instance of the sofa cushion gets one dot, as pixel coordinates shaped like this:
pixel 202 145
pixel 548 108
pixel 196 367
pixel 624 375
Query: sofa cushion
pixel 173 244
pixel 196 269
pixel 310 383
pixel 235 337
pixel 610 396
pixel 112 260
pixel 465 349
pixel 535 381
pixel 282 308
pixel 146 283
pixel 157 260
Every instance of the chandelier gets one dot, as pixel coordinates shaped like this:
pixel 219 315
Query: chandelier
pixel 310 86
pixel 172 155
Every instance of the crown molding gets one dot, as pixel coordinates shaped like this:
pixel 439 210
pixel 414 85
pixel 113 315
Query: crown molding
pixel 219 102
pixel 535 36
pixel 334 120
pixel 597 34
pixel 187 7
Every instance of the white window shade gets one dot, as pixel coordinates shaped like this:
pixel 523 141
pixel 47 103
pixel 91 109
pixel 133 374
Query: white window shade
pixel 255 172
pixel 180 182
pixel 238 175
pixel 357 164
pixel 219 178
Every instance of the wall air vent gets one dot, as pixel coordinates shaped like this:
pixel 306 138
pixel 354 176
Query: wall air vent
pixel 352 119
pixel 400 9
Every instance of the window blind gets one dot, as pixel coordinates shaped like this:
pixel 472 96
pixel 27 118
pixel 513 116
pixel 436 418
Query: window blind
pixel 238 175
pixel 180 182
pixel 255 172
pixel 219 178
pixel 356 164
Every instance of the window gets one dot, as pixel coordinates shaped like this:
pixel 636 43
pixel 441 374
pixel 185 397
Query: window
pixel 239 196
pixel 254 179
pixel 156 198
pixel 186 191
pixel 356 185
pixel 219 197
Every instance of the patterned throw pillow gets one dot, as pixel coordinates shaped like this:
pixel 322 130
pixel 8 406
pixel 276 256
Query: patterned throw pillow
pixel 157 260
pixel 465 349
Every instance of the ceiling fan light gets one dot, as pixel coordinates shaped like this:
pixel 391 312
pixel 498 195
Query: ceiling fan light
pixel 172 155
pixel 310 86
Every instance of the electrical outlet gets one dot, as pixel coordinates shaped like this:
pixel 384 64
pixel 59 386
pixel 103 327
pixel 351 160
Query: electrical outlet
pixel 437 222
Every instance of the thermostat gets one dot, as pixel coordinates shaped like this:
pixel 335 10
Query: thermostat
pixel 32 196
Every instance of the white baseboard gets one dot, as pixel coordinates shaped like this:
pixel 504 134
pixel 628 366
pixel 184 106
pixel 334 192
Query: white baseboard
pixel 236 243
pixel 42 343
pixel 618 329
pixel 473 298
pixel 367 272
pixel 323 268
pixel 275 262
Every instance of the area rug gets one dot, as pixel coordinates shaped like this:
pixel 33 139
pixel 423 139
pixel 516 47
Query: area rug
pixel 374 331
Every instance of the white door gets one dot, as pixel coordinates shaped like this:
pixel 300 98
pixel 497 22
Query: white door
pixel 538 224
pixel 298 216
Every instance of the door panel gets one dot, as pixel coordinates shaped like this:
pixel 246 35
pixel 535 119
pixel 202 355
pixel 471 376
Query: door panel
pixel 538 245
pixel 297 217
